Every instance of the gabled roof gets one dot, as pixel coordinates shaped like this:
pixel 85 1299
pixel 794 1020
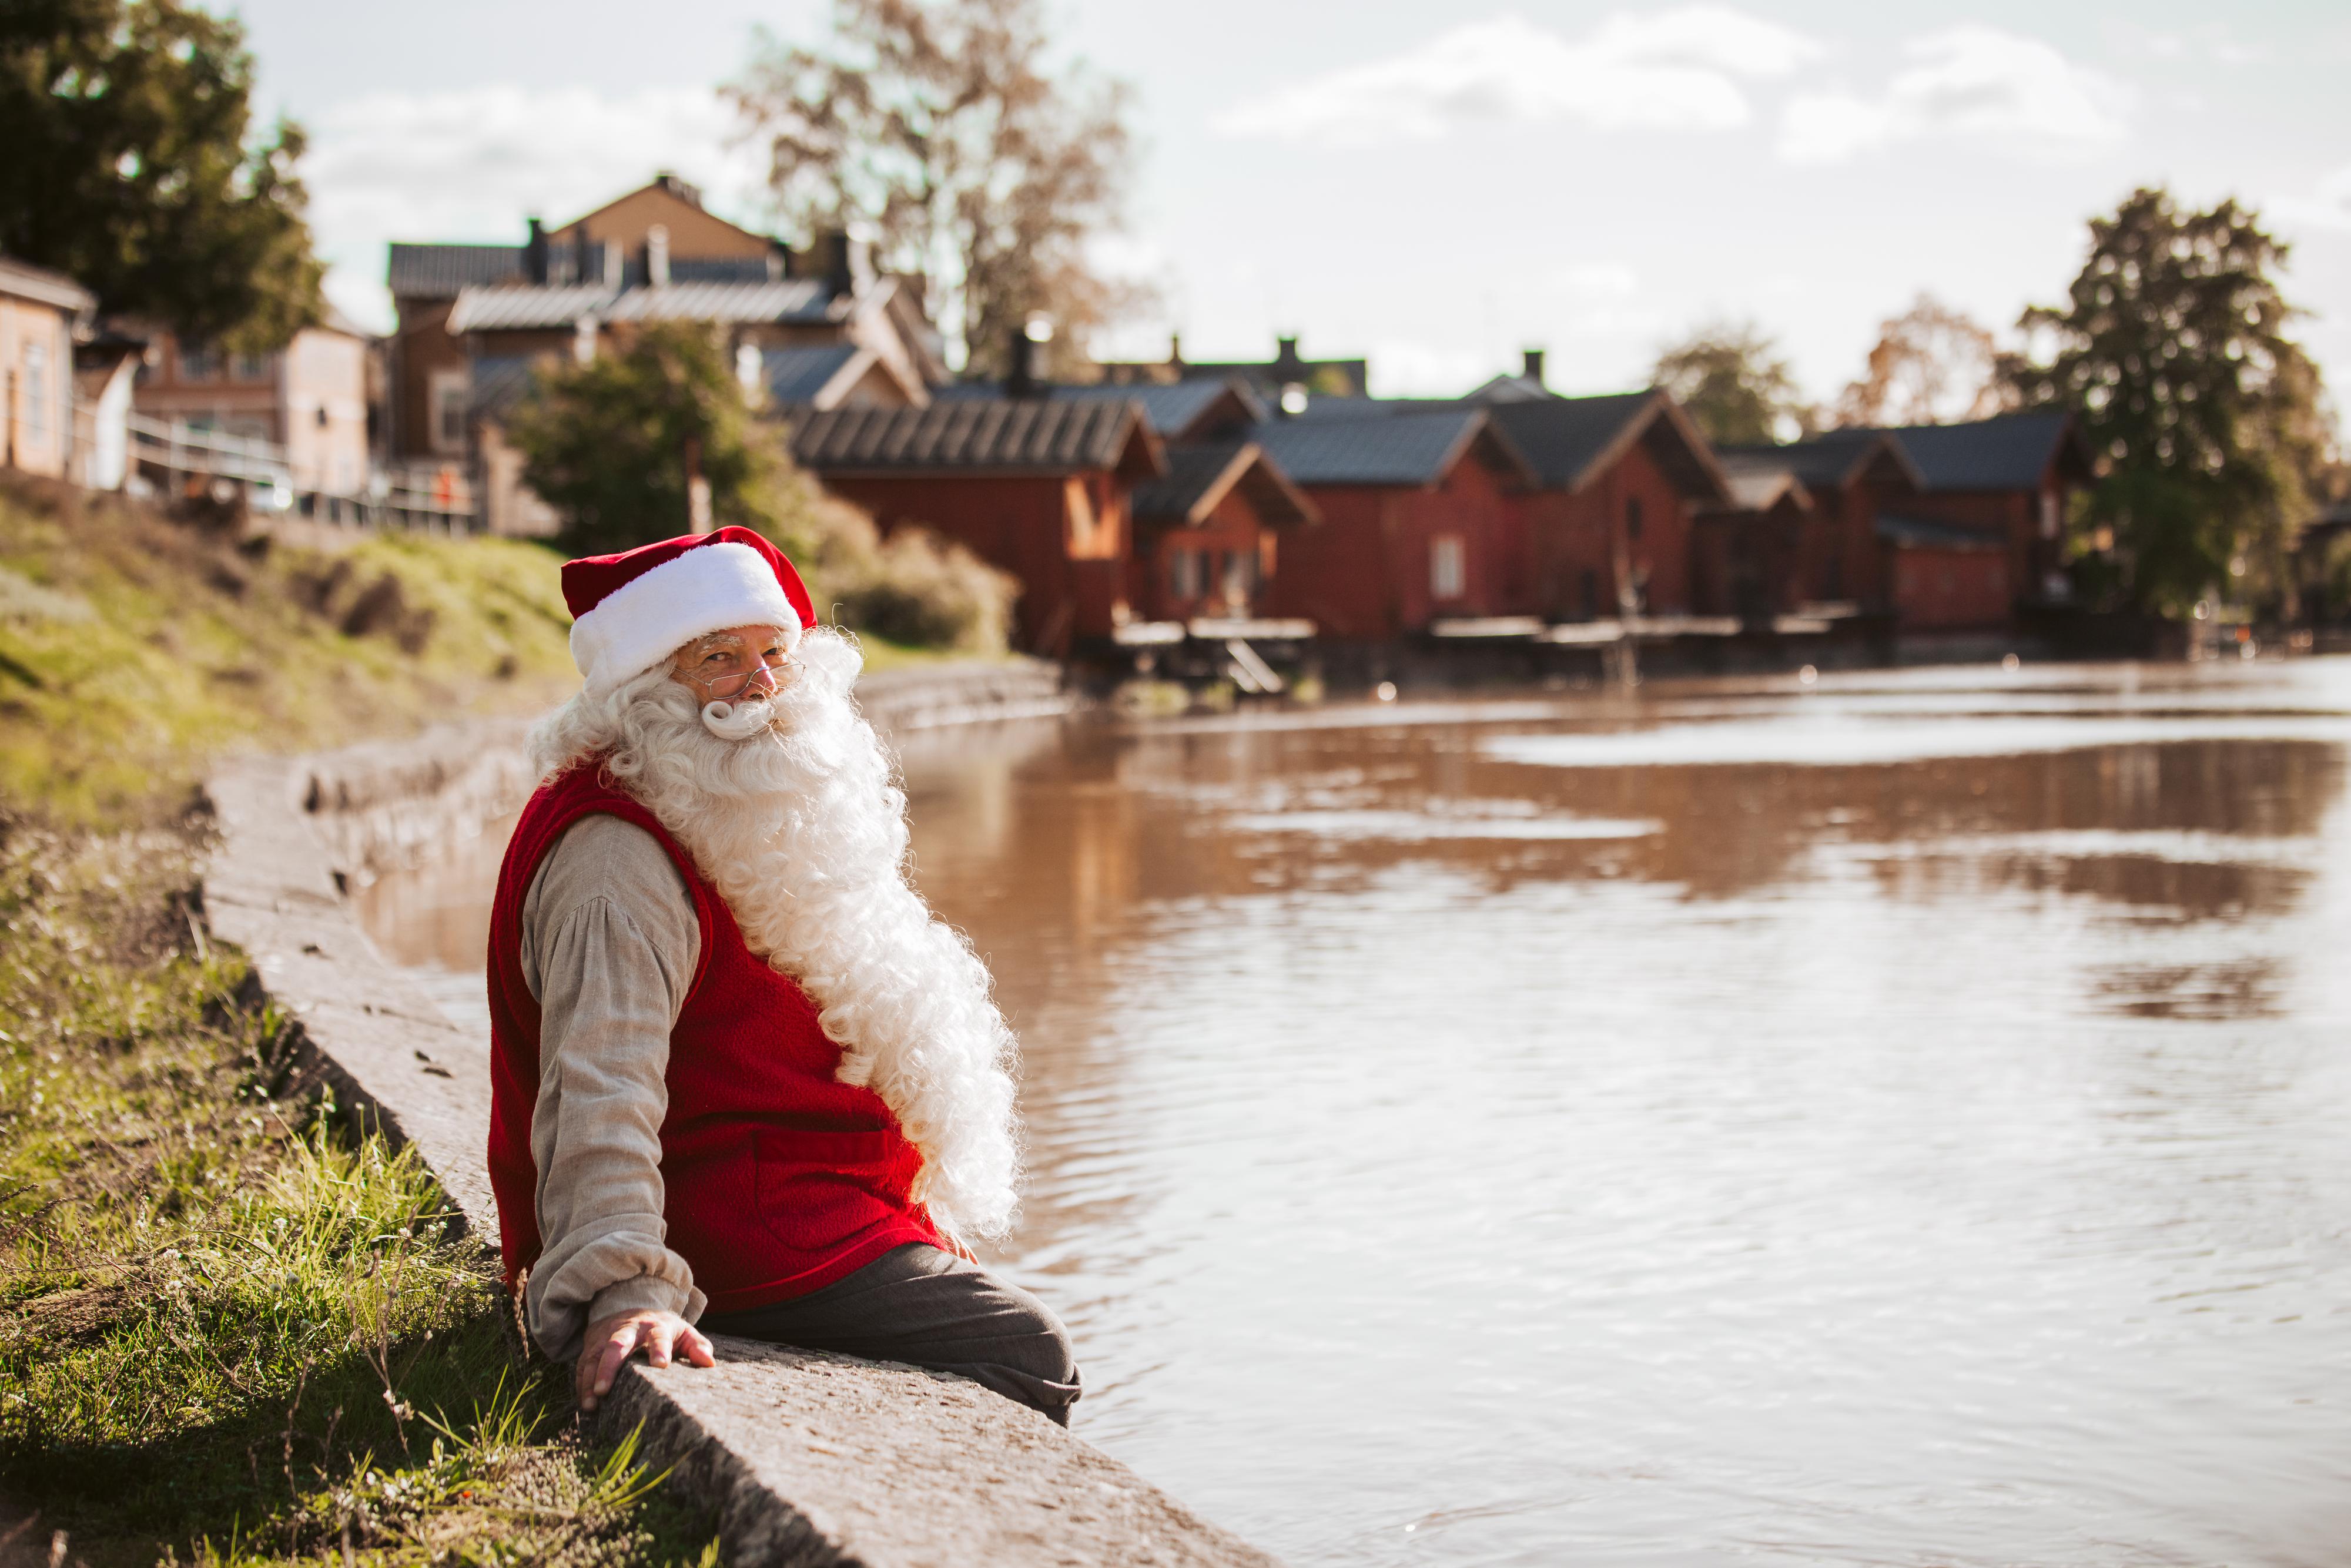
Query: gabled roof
pixel 1829 462
pixel 445 271
pixel 1185 411
pixel 1200 477
pixel 1929 533
pixel 1572 441
pixel 1511 389
pixel 801 374
pixel 1760 489
pixel 540 307
pixel 2009 452
pixel 988 435
pixel 1417 449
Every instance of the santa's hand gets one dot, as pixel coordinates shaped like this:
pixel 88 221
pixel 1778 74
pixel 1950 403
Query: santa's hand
pixel 611 1340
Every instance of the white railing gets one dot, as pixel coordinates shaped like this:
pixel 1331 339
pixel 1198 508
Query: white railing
pixel 177 458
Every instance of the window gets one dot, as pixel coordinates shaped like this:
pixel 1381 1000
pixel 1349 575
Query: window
pixel 250 368
pixel 1632 517
pixel 2048 514
pixel 1240 575
pixel 447 394
pixel 198 363
pixel 1446 576
pixel 36 393
pixel 1184 575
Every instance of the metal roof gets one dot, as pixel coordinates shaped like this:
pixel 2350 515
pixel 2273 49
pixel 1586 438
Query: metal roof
pixel 1417 448
pixel 1563 436
pixel 445 271
pixel 1174 407
pixel 1033 435
pixel 1930 533
pixel 799 374
pixel 1760 488
pixel 1200 477
pixel 529 306
pixel 2010 452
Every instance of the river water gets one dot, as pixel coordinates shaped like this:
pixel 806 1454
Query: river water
pixel 1900 1120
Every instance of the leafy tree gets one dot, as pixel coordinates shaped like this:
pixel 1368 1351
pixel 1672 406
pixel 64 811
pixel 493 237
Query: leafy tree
pixel 126 162
pixel 2171 348
pixel 1733 382
pixel 1931 364
pixel 614 444
pixel 935 125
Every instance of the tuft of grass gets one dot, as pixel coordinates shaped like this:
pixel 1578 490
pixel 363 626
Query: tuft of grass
pixel 229 1330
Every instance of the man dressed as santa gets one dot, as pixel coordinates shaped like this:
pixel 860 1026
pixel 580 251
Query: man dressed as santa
pixel 741 1077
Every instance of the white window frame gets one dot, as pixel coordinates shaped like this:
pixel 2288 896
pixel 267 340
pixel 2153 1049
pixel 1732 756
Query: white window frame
pixel 36 383
pixel 1448 567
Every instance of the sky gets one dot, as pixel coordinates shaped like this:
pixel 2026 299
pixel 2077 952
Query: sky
pixel 1435 187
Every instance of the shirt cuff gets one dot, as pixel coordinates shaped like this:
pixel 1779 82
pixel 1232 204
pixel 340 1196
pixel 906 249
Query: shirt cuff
pixel 645 1293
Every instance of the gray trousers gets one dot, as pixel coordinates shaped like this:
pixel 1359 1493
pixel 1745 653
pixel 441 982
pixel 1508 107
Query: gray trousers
pixel 929 1308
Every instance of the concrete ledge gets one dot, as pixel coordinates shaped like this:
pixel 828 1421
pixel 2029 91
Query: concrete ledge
pixel 809 1459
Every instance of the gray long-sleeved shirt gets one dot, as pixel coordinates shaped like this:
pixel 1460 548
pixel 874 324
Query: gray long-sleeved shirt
pixel 610 944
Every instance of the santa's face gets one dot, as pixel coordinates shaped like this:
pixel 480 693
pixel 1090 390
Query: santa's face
pixel 735 663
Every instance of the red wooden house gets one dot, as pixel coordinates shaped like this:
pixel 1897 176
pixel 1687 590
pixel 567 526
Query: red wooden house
pixel 1746 553
pixel 1418 524
pixel 2009 477
pixel 1207 537
pixel 1606 521
pixel 1038 487
pixel 1852 478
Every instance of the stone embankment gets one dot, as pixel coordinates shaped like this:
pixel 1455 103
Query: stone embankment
pixel 807 1458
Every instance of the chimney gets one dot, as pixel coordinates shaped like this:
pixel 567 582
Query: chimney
pixel 1533 372
pixel 1286 356
pixel 657 256
pixel 1176 350
pixel 832 255
pixel 534 253
pixel 1024 373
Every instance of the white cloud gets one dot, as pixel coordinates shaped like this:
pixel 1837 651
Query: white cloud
pixel 471 165
pixel 1970 83
pixel 2327 205
pixel 1673 69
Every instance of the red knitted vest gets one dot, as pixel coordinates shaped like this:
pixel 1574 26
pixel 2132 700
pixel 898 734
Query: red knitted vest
pixel 776 1178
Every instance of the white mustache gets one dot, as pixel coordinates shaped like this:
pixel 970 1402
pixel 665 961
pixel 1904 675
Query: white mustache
pixel 740 719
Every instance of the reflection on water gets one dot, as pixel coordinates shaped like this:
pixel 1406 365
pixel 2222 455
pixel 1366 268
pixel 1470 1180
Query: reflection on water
pixel 1898 1122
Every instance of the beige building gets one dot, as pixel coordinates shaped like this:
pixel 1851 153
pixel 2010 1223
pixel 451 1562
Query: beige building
pixel 40 312
pixel 310 398
pixel 477 323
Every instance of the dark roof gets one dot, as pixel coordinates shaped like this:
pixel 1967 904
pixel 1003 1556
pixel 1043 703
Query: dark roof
pixel 1027 435
pixel 2011 452
pixel 1416 448
pixel 1565 437
pixel 1198 477
pixel 500 383
pixel 1825 462
pixel 444 271
pixel 799 374
pixel 1175 407
pixel 1511 389
pixel 1928 533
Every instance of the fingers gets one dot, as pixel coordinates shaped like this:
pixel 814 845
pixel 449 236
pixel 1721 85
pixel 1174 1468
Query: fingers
pixel 600 1364
pixel 658 1335
pixel 697 1348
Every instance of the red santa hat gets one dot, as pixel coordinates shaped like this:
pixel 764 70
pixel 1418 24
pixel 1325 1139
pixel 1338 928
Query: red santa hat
pixel 631 610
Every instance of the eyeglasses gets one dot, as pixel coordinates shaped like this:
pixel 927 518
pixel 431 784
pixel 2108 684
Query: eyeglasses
pixel 721 687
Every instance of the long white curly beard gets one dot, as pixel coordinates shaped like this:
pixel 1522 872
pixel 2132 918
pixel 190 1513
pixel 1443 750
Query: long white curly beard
pixel 791 809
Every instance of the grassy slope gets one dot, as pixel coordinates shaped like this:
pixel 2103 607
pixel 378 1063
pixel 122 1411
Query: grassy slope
pixel 225 1329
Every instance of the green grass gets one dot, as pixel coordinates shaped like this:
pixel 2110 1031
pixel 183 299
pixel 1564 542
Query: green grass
pixel 134 650
pixel 226 1332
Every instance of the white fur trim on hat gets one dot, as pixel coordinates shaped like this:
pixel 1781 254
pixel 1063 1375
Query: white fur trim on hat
pixel 705 589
